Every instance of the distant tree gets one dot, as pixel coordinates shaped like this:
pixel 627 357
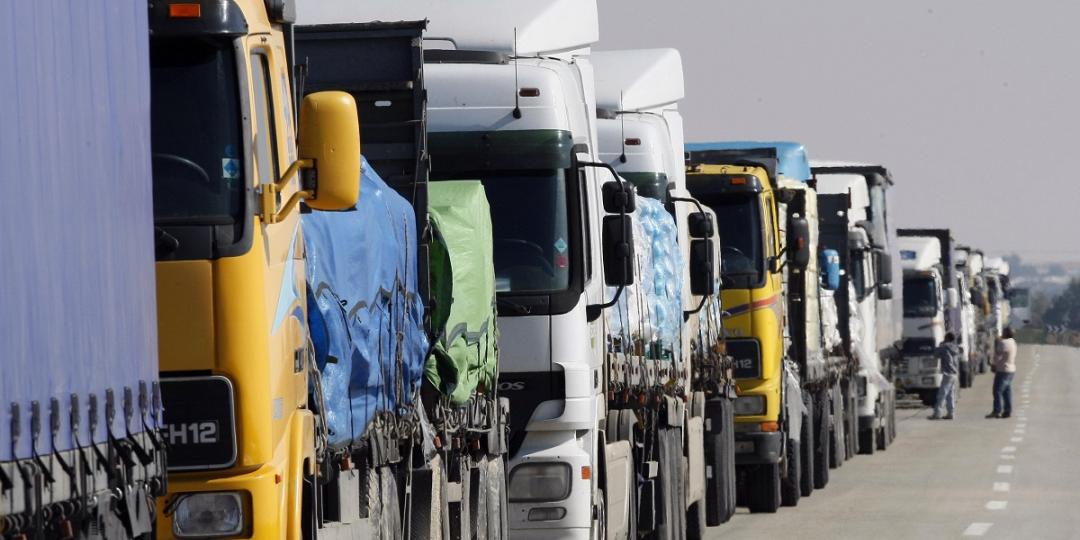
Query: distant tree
pixel 1065 309
pixel 1040 302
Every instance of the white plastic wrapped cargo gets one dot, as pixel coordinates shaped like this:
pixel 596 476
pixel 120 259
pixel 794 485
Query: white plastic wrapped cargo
pixel 830 321
pixel 650 310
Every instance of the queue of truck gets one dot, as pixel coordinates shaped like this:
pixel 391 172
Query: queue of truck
pixel 431 270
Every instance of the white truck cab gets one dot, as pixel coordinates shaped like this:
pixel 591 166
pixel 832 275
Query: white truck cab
pixel 924 314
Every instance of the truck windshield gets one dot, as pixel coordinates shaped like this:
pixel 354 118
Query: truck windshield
pixel 920 297
pixel 739 226
pixel 530 228
pixel 195 133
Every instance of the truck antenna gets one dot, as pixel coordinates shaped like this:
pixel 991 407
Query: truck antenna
pixel 622 129
pixel 517 105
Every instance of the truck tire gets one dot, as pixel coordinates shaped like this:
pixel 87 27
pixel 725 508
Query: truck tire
pixel 729 465
pixel 695 521
pixel 383 511
pixel 806 442
pixel 791 485
pixel 428 515
pixel 309 508
pixel 673 513
pixel 852 428
pixel 823 442
pixel 763 483
pixel 837 451
pixel 867 441
pixel 928 397
pixel 497 512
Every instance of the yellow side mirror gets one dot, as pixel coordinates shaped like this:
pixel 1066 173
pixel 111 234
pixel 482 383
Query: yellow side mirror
pixel 330 139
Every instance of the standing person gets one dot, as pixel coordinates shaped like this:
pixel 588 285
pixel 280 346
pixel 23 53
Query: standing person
pixel 948 355
pixel 1004 369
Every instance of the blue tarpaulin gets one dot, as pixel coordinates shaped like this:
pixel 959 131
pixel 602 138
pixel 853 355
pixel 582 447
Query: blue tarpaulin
pixel 791 156
pixel 365 313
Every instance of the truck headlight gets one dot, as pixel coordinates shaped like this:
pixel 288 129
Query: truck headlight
pixel 749 406
pixel 539 482
pixel 209 515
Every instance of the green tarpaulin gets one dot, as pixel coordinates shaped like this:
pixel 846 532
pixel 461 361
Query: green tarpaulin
pixel 465 355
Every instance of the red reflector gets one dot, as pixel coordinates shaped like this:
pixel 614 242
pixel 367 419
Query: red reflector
pixel 529 92
pixel 633 142
pixel 185 11
pixel 586 472
pixel 738 181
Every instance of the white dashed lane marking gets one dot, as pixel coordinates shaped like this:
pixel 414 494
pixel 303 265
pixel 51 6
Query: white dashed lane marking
pixel 996 505
pixel 1008 456
pixel 977 529
pixel 1001 486
pixel 1004 469
pixel 1016 439
pixel 1008 449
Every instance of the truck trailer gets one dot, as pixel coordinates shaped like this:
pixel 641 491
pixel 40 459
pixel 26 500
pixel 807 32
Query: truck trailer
pixel 229 173
pixel 740 182
pixel 640 136
pixel 82 451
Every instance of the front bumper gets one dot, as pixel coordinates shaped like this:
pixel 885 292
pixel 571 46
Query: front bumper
pixel 757 448
pixel 924 381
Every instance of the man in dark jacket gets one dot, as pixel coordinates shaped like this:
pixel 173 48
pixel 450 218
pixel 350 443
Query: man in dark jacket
pixel 948 355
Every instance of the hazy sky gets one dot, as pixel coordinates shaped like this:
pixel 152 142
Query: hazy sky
pixel 971 104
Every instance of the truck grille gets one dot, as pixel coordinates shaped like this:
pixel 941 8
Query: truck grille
pixel 199 422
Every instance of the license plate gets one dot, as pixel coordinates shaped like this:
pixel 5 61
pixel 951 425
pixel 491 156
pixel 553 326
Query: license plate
pixel 744 447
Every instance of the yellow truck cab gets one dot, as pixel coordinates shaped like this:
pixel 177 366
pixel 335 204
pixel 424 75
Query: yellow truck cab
pixel 767 412
pixel 233 340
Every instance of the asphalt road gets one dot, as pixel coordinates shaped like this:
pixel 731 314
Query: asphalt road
pixel 969 477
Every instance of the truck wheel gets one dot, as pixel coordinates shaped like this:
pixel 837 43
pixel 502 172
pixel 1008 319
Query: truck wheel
pixel 928 397
pixel 763 482
pixel 823 441
pixel 791 485
pixel 309 508
pixel 498 518
pixel 806 442
pixel 852 428
pixel 837 438
pixel 383 511
pixel 892 419
pixel 695 521
pixel 867 441
pixel 428 515
pixel 729 466
pixel 670 526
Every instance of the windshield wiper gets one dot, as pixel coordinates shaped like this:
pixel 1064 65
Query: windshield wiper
pixel 164 243
pixel 520 309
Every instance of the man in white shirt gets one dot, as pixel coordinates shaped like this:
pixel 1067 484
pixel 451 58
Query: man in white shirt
pixel 1004 369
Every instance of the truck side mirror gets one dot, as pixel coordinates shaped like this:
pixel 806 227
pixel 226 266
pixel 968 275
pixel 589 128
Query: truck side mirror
pixel 799 242
pixel 329 163
pixel 700 225
pixel 618 197
pixel 330 139
pixel 884 265
pixel 884 291
pixel 618 240
pixel 702 268
pixel 830 269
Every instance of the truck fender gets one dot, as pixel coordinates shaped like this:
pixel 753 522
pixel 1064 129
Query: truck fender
pixel 299 461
